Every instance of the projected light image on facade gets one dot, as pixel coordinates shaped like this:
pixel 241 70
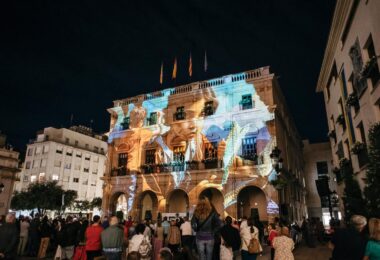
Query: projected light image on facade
pixel 211 138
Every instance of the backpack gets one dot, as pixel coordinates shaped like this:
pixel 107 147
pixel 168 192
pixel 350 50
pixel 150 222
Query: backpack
pixel 145 248
pixel 254 246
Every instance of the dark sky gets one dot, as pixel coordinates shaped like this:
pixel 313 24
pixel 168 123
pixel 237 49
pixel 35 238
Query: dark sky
pixel 59 58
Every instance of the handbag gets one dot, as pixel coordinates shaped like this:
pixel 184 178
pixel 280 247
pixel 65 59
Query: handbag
pixel 254 246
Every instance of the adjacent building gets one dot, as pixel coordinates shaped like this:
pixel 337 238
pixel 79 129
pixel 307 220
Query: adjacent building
pixel 319 167
pixel 74 157
pixel 349 80
pixel 231 139
pixel 9 163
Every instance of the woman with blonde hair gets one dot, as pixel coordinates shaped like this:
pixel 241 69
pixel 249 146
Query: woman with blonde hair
pixel 205 223
pixel 372 250
pixel 283 245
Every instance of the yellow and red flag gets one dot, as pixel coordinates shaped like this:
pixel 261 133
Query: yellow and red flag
pixel 190 66
pixel 174 74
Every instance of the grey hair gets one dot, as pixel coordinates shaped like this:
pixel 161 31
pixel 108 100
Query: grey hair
pixel 358 221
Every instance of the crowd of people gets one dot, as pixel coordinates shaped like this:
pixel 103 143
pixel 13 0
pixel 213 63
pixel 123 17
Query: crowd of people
pixel 204 237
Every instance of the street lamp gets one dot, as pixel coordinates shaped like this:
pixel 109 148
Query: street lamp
pixel 2 187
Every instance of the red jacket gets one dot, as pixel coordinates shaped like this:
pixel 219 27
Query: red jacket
pixel 93 240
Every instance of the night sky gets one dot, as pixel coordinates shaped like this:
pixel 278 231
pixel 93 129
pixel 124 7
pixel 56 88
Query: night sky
pixel 59 58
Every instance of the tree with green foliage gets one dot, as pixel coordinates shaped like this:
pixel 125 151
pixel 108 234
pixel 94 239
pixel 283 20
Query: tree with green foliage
pixel 372 189
pixel 96 203
pixel 43 196
pixel 352 199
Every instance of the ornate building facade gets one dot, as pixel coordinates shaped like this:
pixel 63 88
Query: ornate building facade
pixel 230 139
pixel 350 79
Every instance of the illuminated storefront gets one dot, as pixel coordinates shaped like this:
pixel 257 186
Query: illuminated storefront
pixel 211 138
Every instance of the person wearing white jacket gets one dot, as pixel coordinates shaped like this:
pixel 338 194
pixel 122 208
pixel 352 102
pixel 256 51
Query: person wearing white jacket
pixel 247 232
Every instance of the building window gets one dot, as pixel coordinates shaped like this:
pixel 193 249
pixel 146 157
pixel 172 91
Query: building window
pixel 67 140
pixel 68 166
pixel 46 149
pixel 57 163
pixel 95 171
pixel 152 120
pixel 246 102
pixel 43 163
pixel 79 155
pixel 208 109
pixel 340 151
pixel 86 146
pixel 350 18
pixel 55 177
pixel 77 167
pixel 76 180
pixel 362 154
pixel 41 176
pixel 96 159
pixel 248 148
pixel 211 151
pixel 69 152
pixel 59 149
pixel 322 169
pixel 150 156
pixel 371 68
pixel 125 123
pixel 26 178
pixel 33 178
pixel 359 83
pixel 27 165
pixel 123 159
pixel 179 154
pixel 180 114
pixel 36 163
pixel 86 169
pixel 333 76
pixel 102 150
pixel 87 157
pixel 96 149
pixel 76 143
pixel 38 150
pixel 30 151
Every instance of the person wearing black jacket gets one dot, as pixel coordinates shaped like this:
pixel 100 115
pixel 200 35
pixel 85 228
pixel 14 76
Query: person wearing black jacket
pixel 67 238
pixel 9 238
pixel 231 237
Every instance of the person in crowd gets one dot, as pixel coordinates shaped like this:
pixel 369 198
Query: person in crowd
pixel 45 234
pixel 230 237
pixel 174 237
pixel 165 225
pixel 93 239
pixel 248 231
pixel 105 222
pixel 9 238
pixel 129 222
pixel 320 230
pixel 283 245
pixel 140 243
pixel 372 250
pixel 2 220
pixel 272 234
pixel 113 240
pixel 186 233
pixel 67 238
pixel 266 234
pixel 134 256
pixel 349 243
pixel 158 240
pixel 165 254
pixel 148 230
pixel 34 236
pixel 205 223
pixel 24 230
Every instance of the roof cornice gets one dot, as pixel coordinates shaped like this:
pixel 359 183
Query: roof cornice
pixel 339 20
